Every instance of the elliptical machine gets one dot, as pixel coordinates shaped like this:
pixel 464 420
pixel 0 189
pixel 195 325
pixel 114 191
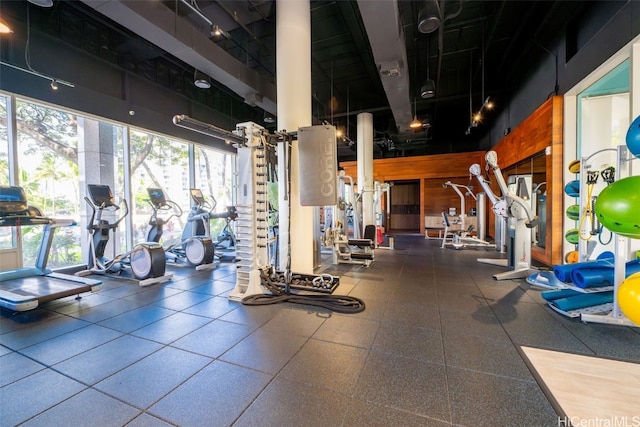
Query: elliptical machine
pixel 196 250
pixel 200 216
pixel 146 261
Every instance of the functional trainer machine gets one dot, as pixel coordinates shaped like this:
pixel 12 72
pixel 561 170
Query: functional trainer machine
pixel 463 237
pixel 25 288
pixel 193 250
pixel 146 261
pixel 521 220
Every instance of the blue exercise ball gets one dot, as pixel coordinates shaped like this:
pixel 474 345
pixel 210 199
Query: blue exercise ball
pixel 633 137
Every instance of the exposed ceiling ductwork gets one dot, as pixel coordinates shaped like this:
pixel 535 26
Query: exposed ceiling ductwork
pixel 178 37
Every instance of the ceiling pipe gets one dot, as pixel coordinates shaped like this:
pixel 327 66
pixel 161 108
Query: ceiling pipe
pixel 441 38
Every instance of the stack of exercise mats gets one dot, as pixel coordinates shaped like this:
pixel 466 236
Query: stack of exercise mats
pixel 589 286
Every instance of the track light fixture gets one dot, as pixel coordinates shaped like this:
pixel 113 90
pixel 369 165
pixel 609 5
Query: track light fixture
pixel 429 18
pixel 42 3
pixel 54 84
pixel 428 89
pixel 201 80
pixel 187 122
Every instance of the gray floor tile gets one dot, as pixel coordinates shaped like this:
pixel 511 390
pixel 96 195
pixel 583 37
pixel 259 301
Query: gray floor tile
pixel 4 350
pixel 216 396
pixel 374 309
pixel 100 362
pixel 89 408
pixel 152 377
pixel 607 341
pixel 217 287
pixel 512 294
pixel 294 321
pixel 479 353
pixel 413 314
pixel 266 352
pixel 146 420
pixel 369 414
pixel 326 365
pixel 105 311
pixel 463 303
pixel 55 326
pixel 14 366
pixel 153 294
pixel 70 344
pixel 171 328
pixel 482 323
pixel 410 341
pixel 136 318
pixel 72 305
pixel 407 384
pixel 254 316
pixel 298 405
pixel 213 307
pixel 348 330
pixel 36 393
pixel 182 300
pixel 479 399
pixel 214 338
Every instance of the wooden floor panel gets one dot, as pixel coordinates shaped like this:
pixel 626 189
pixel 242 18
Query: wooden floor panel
pixel 588 389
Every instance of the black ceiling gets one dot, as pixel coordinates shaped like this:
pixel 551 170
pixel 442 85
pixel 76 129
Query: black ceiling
pixel 483 48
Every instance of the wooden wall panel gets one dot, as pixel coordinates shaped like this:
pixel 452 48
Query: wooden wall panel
pixel 542 130
pixel 431 172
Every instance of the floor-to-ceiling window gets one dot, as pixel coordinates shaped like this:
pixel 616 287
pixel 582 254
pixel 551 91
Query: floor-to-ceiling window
pixel 48 172
pixel 158 162
pixel 7 239
pixel 214 176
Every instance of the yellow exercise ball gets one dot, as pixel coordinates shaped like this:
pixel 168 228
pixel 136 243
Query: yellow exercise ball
pixel 629 298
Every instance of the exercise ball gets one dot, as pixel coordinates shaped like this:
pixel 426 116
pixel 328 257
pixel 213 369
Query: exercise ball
pixel 618 207
pixel 629 298
pixel 633 137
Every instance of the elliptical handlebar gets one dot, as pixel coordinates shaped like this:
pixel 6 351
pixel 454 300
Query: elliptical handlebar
pixel 103 206
pixel 176 210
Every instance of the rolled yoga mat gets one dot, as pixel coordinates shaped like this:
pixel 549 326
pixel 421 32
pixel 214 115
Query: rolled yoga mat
pixel 583 300
pixel 598 277
pixel 563 272
pixel 559 294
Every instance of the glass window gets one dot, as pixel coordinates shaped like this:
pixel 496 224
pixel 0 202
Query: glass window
pixel 6 235
pixel 214 176
pixel 158 162
pixel 48 172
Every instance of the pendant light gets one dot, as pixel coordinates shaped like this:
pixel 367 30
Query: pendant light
pixel 428 89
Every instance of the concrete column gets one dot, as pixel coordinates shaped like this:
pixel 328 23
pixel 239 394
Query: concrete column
pixel 293 69
pixel 365 167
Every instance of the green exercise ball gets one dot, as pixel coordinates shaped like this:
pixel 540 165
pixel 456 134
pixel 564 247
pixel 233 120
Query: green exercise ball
pixel 633 137
pixel 618 207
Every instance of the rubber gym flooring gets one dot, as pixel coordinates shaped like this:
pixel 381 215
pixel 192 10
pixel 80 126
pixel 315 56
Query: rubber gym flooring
pixel 436 346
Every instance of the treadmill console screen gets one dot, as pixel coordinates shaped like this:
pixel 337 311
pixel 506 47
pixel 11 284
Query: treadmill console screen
pixel 12 200
pixel 197 196
pixel 156 195
pixel 100 195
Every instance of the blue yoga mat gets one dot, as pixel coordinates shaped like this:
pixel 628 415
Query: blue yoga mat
pixel 561 293
pixel 563 272
pixel 598 277
pixel 583 300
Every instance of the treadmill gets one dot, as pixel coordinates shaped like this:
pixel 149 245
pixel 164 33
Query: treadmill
pixel 25 288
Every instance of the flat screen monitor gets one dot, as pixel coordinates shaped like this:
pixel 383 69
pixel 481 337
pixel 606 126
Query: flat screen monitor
pixel 12 200
pixel 100 195
pixel 197 196
pixel 156 195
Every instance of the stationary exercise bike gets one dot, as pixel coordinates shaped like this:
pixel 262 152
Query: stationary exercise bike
pixel 146 261
pixel 195 250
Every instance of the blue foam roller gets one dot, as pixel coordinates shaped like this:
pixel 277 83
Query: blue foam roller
pixel 563 272
pixel 561 293
pixel 598 277
pixel 583 300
